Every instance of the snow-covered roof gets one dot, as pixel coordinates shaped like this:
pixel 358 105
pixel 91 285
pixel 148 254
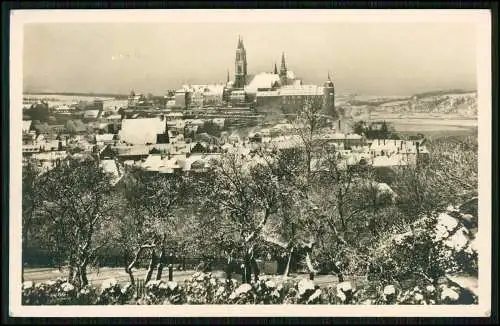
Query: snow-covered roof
pixel 104 137
pixel 132 150
pixel 62 108
pixel 152 162
pixel 91 114
pixel 142 130
pixel 268 93
pixel 218 120
pixel 196 122
pixel 262 80
pixel 303 90
pixel 26 125
pixel 214 89
pixel 393 160
pixel 111 167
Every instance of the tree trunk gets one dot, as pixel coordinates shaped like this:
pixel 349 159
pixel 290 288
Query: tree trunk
pixel 152 264
pixel 229 268
pixel 83 274
pixel 161 262
pixel 72 274
pixel 255 268
pixel 337 271
pixel 131 265
pixel 76 277
pixel 128 269
pixel 247 273
pixel 287 268
pixel 161 265
pixel 309 263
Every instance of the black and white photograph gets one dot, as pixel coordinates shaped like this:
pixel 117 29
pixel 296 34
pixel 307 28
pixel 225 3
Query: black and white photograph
pixel 250 162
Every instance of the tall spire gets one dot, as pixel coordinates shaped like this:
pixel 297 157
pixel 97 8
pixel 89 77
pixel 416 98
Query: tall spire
pixel 329 79
pixel 283 64
pixel 228 75
pixel 240 42
pixel 283 72
pixel 275 69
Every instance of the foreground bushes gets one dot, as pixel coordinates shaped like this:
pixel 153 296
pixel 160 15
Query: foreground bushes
pixel 207 289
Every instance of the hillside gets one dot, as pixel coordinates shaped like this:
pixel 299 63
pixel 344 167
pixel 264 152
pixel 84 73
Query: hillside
pixel 457 103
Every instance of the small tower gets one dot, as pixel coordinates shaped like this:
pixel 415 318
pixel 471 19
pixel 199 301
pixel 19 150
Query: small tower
pixel 275 69
pixel 163 138
pixel 283 72
pixel 240 65
pixel 131 98
pixel 329 96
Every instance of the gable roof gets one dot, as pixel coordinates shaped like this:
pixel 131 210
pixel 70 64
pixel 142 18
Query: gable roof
pixel 142 130
pixel 262 80
pixel 91 114
pixel 104 137
pixel 26 125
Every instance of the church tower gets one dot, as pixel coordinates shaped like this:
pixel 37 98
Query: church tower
pixel 283 72
pixel 329 96
pixel 240 65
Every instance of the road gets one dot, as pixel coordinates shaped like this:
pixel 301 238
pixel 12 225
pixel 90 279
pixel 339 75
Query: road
pixel 96 278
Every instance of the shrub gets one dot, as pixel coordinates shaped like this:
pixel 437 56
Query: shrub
pixel 204 288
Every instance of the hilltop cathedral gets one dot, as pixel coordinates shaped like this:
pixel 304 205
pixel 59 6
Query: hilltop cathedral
pixel 272 90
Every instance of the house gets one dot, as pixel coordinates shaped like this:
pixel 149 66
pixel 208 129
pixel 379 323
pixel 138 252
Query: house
pixel 133 153
pixel 198 148
pixel 91 114
pixel 106 152
pixel 105 138
pixel 114 118
pixel 29 138
pixel 142 130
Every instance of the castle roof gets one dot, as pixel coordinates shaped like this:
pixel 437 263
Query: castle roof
pixel 262 80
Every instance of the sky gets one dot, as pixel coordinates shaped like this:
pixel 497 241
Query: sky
pixel 365 58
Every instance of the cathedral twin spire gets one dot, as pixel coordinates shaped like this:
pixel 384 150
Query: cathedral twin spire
pixel 240 65
pixel 283 70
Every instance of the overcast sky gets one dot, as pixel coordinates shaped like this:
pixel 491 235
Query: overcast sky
pixel 366 58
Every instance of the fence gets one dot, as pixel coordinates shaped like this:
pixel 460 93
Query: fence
pixel 42 259
pixel 140 288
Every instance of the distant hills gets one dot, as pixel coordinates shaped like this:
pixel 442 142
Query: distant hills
pixel 118 96
pixel 454 102
pixel 443 92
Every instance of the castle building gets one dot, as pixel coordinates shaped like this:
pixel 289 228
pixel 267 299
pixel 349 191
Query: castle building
pixel 265 90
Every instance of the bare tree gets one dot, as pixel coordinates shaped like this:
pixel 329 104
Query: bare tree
pixel 151 200
pixel 76 208
pixel 241 200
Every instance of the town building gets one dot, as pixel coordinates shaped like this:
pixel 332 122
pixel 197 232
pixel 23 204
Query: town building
pixel 142 131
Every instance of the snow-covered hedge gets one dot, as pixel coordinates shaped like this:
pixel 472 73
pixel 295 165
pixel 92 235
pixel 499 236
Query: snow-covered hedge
pixel 205 288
